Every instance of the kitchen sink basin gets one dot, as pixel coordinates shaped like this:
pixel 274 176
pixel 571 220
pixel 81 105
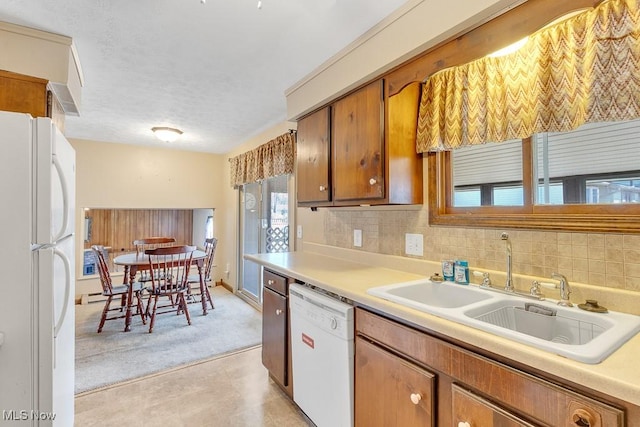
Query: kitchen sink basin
pixel 427 295
pixel 571 332
pixel 564 326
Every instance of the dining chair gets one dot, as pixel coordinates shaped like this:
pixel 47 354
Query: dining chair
pixel 169 272
pixel 142 245
pixel 194 279
pixel 111 291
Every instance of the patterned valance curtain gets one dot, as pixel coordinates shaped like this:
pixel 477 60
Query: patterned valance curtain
pixel 585 69
pixel 274 158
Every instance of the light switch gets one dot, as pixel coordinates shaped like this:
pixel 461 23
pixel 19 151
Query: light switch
pixel 357 238
pixel 299 232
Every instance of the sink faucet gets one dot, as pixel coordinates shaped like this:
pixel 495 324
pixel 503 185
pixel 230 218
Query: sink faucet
pixel 565 289
pixel 509 284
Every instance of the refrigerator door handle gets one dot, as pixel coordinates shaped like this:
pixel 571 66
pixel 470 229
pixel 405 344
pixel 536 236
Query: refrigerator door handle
pixel 65 199
pixel 67 290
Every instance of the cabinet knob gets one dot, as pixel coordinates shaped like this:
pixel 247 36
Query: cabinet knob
pixel 416 398
pixel 582 418
pixel 278 312
pixel 373 181
pixel 271 282
pixel 464 424
pixel 323 188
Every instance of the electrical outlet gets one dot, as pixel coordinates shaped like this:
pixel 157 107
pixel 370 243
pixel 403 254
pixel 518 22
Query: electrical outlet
pixel 413 244
pixel 357 238
pixel 299 232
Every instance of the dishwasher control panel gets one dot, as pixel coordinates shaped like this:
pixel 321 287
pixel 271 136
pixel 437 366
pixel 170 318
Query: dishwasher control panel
pixel 325 312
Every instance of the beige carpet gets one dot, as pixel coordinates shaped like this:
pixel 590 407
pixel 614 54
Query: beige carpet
pixel 113 356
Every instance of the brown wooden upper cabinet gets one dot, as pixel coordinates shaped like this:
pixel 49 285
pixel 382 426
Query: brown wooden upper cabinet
pixel 358 145
pixel 313 154
pixel 360 150
pixel 25 94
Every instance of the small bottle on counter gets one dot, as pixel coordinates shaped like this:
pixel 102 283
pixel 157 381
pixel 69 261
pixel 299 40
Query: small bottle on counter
pixel 447 270
pixel 461 272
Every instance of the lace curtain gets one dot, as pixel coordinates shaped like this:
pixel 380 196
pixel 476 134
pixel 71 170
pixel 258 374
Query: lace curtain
pixel 584 69
pixel 276 157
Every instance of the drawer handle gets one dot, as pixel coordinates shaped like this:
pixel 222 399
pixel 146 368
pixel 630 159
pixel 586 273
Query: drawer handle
pixel 278 312
pixel 270 282
pixel 416 398
pixel 464 424
pixel 582 418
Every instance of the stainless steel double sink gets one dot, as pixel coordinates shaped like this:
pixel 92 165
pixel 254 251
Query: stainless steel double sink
pixel 571 332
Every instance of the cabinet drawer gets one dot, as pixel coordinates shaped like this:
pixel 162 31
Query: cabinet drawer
pixel 471 410
pixel 274 281
pixel 390 391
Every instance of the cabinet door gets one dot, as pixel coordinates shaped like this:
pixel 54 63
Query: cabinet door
pixel 313 154
pixel 390 391
pixel 358 145
pixel 274 335
pixel 470 410
pixel 23 94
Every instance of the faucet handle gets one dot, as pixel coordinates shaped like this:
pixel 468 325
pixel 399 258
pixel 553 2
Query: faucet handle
pixel 535 290
pixel 486 280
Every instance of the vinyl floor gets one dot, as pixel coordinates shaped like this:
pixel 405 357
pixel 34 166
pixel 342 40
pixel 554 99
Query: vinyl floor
pixel 233 390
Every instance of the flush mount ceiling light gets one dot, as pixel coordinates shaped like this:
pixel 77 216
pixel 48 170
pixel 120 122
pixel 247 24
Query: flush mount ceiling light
pixel 166 134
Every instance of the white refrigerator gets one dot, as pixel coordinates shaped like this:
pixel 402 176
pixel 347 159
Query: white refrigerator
pixel 37 278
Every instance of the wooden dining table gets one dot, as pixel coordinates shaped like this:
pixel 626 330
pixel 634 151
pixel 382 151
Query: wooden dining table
pixel 133 262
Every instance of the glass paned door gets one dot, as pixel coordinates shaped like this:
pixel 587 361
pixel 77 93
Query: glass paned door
pixel 264 224
pixel 250 215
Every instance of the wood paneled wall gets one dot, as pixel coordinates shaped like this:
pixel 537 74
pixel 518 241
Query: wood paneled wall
pixel 118 228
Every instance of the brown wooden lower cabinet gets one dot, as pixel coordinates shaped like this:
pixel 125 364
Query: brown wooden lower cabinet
pixel 276 346
pixel 460 388
pixel 403 393
pixel 274 334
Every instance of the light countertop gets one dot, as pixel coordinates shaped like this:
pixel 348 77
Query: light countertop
pixel 618 375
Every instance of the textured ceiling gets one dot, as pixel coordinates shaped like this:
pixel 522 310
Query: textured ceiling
pixel 216 70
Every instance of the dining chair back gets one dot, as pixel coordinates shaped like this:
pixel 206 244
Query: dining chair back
pixel 142 245
pixel 110 291
pixel 210 246
pixel 169 273
pixel 194 279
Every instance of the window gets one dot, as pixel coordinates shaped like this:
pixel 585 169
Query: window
pixel 585 179
pixel 209 227
pixel 488 175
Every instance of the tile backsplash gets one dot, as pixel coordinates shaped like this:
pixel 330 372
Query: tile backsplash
pixel 599 259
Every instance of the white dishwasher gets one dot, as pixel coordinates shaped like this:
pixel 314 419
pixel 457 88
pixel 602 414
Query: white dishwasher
pixel 322 356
